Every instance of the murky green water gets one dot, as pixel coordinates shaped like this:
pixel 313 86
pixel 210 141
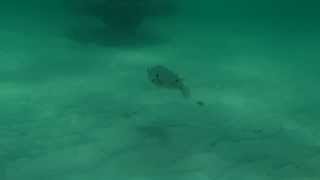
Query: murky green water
pixel 76 101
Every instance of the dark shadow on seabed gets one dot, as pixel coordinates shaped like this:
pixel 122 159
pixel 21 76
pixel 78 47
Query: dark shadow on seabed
pixel 119 23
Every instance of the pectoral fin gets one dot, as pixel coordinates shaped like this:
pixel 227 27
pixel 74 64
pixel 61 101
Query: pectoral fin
pixel 185 91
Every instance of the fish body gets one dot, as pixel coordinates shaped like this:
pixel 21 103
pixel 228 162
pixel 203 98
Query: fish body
pixel 164 78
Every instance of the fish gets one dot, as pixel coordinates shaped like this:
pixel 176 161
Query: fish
pixel 163 77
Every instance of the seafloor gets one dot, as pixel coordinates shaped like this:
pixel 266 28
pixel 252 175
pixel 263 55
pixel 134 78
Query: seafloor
pixel 76 102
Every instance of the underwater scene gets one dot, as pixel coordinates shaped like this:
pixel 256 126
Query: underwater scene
pixel 160 90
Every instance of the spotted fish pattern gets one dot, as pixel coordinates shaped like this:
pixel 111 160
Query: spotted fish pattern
pixel 163 77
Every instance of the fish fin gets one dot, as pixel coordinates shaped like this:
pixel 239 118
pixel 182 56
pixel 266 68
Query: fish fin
pixel 185 91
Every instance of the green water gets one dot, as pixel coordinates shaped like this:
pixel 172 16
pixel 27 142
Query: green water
pixel 76 101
